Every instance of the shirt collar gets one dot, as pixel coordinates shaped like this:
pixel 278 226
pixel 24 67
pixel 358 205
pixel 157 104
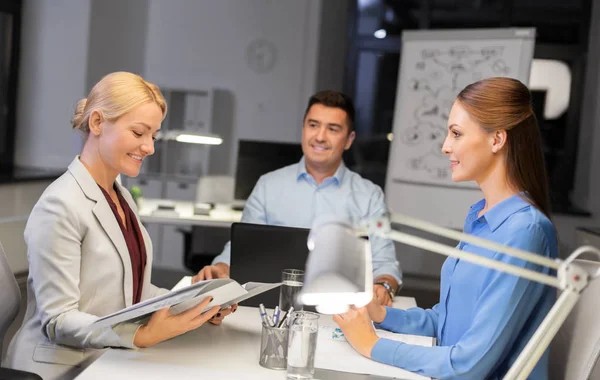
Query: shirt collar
pixel 337 176
pixel 500 212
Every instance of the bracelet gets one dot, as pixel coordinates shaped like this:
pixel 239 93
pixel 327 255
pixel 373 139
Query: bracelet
pixel 387 287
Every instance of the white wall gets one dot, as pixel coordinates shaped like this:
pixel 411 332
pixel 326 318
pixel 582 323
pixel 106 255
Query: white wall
pixel 117 38
pixel 202 44
pixel 52 77
pixel 67 45
pixel 194 44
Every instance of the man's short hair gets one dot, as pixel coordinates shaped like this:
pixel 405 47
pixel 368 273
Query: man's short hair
pixel 335 99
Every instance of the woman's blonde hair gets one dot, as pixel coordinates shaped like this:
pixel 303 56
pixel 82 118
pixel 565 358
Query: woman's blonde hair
pixel 115 95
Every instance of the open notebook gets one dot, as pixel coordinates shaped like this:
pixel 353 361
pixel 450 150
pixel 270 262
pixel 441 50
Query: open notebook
pixel 334 353
pixel 184 295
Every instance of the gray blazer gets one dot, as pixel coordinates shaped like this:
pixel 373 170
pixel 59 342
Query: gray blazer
pixel 79 270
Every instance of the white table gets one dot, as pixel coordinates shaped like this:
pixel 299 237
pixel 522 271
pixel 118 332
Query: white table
pixel 220 216
pixel 229 351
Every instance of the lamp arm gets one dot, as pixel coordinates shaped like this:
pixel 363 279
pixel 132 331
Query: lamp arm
pixel 576 280
pixel 539 342
pixel 571 279
pixel 484 243
pixel 472 258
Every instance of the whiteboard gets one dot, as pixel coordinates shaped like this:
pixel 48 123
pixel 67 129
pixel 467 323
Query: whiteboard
pixel 434 67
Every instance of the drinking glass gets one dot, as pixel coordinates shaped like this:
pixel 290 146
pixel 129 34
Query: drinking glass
pixel 302 345
pixel 292 281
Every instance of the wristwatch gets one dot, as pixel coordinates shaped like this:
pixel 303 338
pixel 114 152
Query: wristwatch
pixel 387 287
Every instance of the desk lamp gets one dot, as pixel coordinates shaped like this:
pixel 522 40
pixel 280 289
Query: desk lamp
pixel 329 241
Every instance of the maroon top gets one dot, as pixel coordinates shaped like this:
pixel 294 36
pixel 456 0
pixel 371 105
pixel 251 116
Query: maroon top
pixel 133 239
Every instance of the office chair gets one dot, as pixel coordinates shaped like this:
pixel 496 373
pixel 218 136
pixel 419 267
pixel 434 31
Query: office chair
pixel 10 298
pixel 575 350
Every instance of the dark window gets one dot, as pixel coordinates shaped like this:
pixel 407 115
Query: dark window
pixel 10 24
pixel 375 47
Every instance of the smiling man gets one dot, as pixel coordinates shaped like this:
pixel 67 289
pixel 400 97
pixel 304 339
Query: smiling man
pixel 321 184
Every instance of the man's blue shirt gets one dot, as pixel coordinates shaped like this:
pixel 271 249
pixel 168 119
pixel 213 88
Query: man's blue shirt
pixel 291 197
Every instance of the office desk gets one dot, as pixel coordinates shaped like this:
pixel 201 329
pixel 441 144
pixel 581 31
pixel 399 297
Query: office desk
pixel 220 216
pixel 229 351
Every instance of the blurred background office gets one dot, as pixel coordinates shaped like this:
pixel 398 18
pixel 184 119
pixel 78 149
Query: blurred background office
pixel 242 70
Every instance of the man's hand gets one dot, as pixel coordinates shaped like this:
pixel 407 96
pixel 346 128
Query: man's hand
pixel 219 270
pixel 381 295
pixel 358 330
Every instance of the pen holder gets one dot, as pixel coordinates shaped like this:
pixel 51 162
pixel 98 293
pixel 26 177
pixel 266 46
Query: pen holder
pixel 273 347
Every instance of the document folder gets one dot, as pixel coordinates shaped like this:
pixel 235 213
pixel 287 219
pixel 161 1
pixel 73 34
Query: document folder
pixel 225 292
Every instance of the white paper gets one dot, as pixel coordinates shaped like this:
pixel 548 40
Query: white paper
pixel 183 296
pixel 335 353
pixel 221 295
pixel 252 288
pixel 185 281
pixel 141 309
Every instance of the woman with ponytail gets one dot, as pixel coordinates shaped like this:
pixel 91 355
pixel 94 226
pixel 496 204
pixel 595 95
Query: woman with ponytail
pixel 484 317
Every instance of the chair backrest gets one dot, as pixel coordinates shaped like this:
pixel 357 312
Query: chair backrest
pixel 575 350
pixel 10 296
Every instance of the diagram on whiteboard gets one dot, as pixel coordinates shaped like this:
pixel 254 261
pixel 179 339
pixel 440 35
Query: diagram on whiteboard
pixel 435 65
pixel 431 81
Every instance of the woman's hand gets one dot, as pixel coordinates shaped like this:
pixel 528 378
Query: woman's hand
pixel 382 296
pixel 163 325
pixel 218 318
pixel 358 330
pixel 377 311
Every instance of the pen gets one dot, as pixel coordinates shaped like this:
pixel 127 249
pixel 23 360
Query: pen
pixel 276 315
pixel 264 316
pixel 285 319
pixel 281 319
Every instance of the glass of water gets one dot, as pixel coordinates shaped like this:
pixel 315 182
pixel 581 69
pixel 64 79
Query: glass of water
pixel 292 281
pixel 302 345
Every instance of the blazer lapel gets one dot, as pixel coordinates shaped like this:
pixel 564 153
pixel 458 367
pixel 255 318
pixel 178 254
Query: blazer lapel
pixel 107 220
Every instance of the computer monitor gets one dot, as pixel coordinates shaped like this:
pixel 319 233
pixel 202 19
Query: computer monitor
pixel 256 158
pixel 260 252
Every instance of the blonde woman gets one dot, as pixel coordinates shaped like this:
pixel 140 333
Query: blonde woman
pixel 88 253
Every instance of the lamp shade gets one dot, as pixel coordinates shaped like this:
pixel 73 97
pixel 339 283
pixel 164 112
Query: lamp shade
pixel 338 270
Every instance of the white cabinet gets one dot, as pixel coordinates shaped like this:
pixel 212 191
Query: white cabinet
pixel 181 190
pixel 190 111
pixel 172 248
pixel 151 187
pixel 173 171
pixel 198 108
